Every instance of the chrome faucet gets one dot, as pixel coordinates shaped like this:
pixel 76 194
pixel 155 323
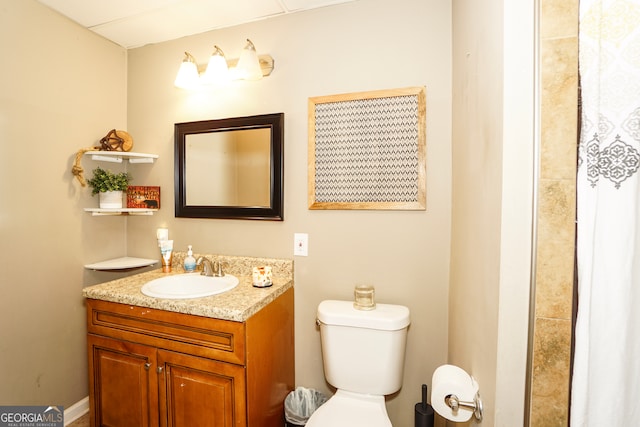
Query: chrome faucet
pixel 210 268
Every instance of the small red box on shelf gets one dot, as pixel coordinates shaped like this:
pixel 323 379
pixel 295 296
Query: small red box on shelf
pixel 143 197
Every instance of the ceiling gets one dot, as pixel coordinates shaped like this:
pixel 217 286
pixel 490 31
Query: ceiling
pixel 134 23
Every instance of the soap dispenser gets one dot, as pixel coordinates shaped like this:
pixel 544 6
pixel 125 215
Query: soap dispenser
pixel 189 261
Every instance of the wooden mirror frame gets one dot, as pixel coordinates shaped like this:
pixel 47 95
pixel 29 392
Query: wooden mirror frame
pixel 273 212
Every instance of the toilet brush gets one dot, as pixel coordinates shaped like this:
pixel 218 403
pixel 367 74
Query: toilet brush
pixel 424 411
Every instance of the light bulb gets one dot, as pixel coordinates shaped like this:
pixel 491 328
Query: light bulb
pixel 187 77
pixel 217 71
pixel 249 64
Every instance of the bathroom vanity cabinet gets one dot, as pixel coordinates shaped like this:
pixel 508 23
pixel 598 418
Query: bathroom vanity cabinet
pixel 152 367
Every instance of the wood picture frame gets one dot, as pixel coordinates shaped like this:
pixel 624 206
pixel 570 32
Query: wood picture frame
pixel 367 150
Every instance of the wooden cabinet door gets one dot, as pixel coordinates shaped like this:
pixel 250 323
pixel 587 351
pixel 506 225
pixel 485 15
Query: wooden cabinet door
pixel 123 383
pixel 201 392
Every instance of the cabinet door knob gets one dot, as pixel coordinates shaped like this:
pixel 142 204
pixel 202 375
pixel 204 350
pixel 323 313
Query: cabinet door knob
pixel 159 369
pixel 147 366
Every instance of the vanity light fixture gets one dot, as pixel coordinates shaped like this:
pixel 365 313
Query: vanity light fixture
pixel 219 70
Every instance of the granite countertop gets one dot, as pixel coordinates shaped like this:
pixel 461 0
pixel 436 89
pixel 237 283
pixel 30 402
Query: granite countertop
pixel 238 304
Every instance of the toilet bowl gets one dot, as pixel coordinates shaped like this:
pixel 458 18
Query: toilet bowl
pixel 363 356
pixel 351 409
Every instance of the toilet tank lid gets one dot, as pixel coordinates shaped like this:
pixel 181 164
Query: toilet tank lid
pixel 387 317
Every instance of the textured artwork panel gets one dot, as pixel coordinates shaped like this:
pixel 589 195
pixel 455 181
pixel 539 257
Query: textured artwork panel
pixel 369 152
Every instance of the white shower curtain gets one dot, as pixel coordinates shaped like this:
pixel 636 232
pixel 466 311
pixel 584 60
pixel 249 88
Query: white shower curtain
pixel 606 372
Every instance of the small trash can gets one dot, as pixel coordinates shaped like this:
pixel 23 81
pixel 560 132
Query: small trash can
pixel 300 404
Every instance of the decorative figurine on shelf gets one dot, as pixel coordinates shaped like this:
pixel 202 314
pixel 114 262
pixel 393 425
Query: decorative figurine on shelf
pixel 115 140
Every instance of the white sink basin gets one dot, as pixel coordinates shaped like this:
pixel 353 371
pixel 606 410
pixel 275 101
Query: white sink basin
pixel 188 285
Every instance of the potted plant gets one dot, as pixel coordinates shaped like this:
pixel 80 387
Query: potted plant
pixel 110 186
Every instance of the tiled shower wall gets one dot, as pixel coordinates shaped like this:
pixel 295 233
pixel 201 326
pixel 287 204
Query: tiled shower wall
pixel 550 374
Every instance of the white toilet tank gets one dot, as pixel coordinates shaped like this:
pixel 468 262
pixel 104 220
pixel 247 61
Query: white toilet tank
pixel 363 351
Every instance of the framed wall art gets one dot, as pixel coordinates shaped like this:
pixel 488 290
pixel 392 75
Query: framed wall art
pixel 367 150
pixel 143 197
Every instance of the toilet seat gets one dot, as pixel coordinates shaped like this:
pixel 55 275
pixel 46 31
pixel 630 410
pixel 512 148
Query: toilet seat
pixel 346 409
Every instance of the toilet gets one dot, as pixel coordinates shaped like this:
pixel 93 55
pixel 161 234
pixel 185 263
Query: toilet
pixel 363 354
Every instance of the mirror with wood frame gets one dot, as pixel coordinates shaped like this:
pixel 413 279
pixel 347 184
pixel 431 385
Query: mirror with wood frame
pixel 230 168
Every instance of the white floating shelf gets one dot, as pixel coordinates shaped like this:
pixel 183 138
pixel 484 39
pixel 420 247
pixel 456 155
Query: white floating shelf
pixel 122 211
pixel 119 156
pixel 123 263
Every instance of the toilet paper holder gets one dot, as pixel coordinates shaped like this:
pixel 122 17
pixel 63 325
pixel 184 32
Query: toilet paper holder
pixel 455 395
pixel 454 403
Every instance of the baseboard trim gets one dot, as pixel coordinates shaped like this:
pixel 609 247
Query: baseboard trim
pixel 76 410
